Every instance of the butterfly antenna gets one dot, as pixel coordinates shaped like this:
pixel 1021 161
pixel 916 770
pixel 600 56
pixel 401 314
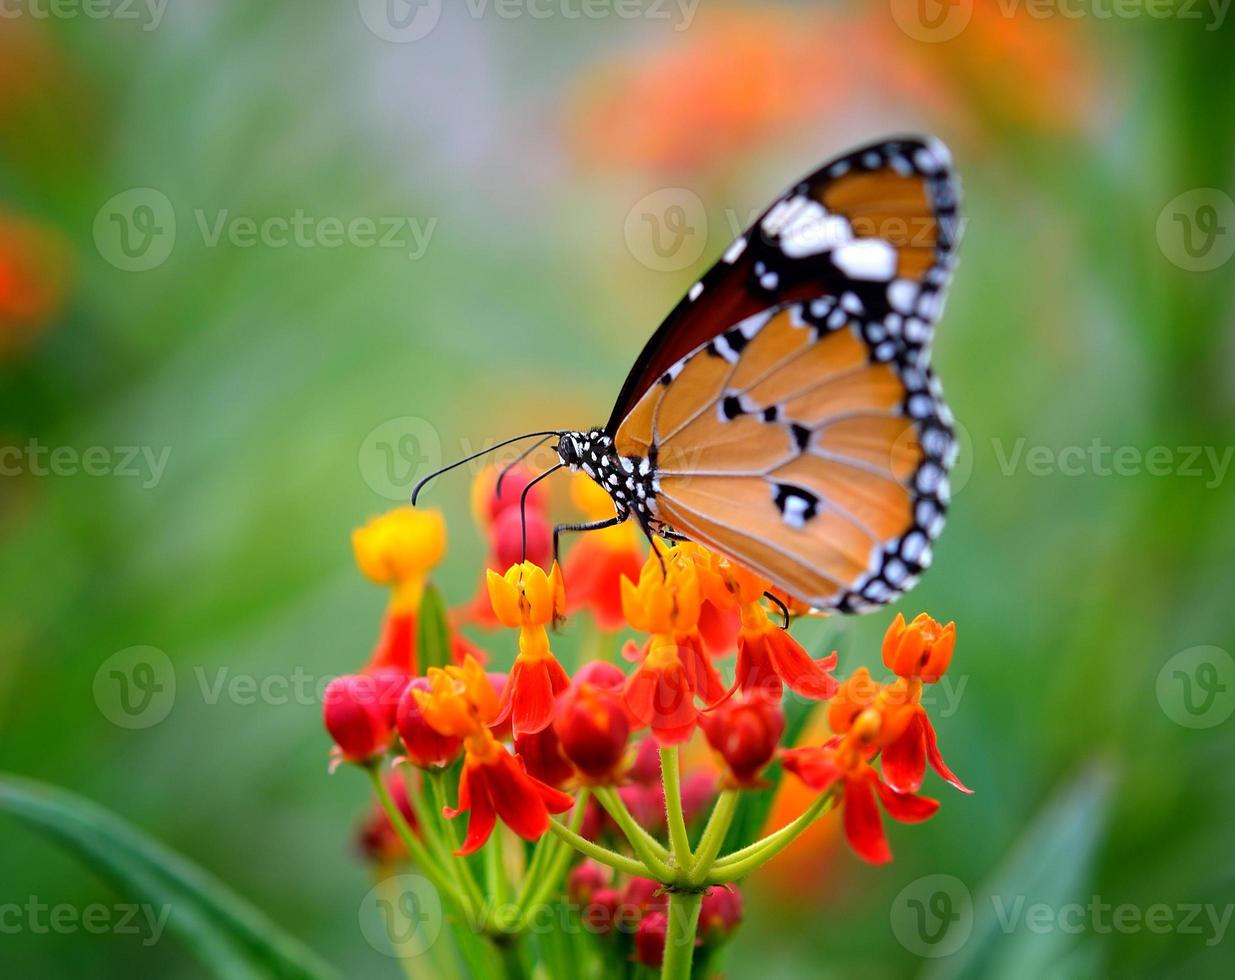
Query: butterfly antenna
pixel 519 459
pixel 523 501
pixel 467 459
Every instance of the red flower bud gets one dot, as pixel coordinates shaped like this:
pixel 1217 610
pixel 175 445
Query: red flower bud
pixel 541 753
pixel 355 717
pixel 698 792
pixel 586 880
pixel 646 769
pixel 507 537
pixel 424 746
pixel 601 673
pixel 645 894
pixel 720 913
pixel 593 728
pixel 650 939
pixel 600 913
pixel 745 733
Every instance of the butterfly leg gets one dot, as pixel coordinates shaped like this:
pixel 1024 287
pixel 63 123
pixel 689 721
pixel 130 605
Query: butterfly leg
pixel 561 529
pixel 784 610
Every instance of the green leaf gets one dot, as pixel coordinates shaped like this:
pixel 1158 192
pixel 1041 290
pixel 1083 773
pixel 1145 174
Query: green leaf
pixel 224 932
pixel 433 636
pixel 1050 865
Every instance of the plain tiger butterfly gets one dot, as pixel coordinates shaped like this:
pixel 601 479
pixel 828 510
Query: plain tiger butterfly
pixel 785 414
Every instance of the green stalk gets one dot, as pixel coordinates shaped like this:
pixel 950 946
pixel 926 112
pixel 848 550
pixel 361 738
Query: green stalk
pixel 714 835
pixel 671 779
pixel 646 847
pixel 458 867
pixel 680 939
pixel 741 863
pixel 420 855
pixel 619 862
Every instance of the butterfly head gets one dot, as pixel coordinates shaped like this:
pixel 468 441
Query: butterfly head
pixel 586 451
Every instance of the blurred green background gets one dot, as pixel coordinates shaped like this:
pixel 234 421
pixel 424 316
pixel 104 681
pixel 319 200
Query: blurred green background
pixel 498 203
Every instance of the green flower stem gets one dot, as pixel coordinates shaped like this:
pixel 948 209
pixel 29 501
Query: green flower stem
pixel 429 826
pixel 459 868
pixel 741 863
pixel 714 835
pixel 555 865
pixel 672 780
pixel 596 852
pixel 496 883
pixel 420 855
pixel 545 847
pixel 646 847
pixel 680 939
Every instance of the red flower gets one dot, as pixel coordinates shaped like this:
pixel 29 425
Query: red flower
pixel 424 746
pixel 768 656
pixel 356 718
pixel 542 756
pixel 922 649
pixel 746 734
pixel 720 912
pixel 659 693
pixel 593 729
pixel 841 762
pixel 650 939
pixel 497 785
pixel 904 759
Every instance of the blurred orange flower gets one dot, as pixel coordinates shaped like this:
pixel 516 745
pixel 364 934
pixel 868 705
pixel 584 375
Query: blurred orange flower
pixel 34 260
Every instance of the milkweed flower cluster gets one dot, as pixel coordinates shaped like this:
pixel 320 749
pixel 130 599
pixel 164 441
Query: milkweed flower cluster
pixel 634 782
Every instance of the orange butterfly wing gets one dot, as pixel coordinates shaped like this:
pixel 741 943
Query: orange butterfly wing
pixel 796 446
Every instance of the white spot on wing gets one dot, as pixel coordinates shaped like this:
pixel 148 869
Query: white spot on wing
pixel 866 258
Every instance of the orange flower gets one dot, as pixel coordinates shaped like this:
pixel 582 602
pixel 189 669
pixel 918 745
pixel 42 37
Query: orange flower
pixel 667 602
pixel 768 657
pixel 601 560
pixel 399 548
pixel 461 702
pixel 527 598
pixel 920 653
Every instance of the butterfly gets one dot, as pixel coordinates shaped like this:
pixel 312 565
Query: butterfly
pixel 785 413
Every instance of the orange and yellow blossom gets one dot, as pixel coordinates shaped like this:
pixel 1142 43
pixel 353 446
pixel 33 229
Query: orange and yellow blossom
pixel 666 602
pixel 462 703
pixel 768 657
pixel 527 599
pixel 399 549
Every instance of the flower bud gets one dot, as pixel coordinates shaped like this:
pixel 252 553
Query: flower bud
pixel 586 880
pixel 645 894
pixel 745 733
pixel 541 753
pixel 923 648
pixel 601 673
pixel 593 728
pixel 650 939
pixel 601 911
pixel 507 538
pixel 376 839
pixel 354 716
pixel 424 745
pixel 720 913
pixel 487 506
